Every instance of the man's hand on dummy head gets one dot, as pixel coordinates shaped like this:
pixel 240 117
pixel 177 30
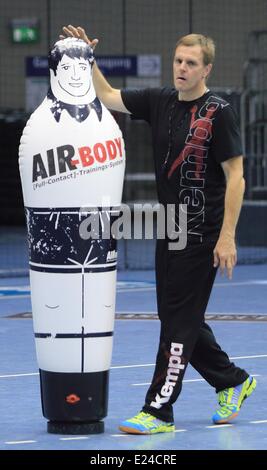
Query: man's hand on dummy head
pixel 78 32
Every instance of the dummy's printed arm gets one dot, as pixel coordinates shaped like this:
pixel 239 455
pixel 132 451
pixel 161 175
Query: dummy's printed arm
pixel 225 250
pixel 111 97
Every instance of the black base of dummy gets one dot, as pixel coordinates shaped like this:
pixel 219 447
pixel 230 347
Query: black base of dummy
pixel 63 427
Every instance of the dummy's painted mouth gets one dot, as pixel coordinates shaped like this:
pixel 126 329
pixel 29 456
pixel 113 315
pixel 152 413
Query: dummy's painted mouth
pixel 75 85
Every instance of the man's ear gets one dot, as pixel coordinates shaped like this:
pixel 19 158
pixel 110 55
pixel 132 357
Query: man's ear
pixel 208 70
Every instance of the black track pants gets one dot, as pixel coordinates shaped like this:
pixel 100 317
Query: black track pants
pixel 184 282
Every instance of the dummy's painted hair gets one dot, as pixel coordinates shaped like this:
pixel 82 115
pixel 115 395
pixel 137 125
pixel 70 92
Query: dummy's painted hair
pixel 73 48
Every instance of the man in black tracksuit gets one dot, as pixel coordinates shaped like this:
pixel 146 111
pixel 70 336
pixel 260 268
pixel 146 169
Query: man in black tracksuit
pixel 198 163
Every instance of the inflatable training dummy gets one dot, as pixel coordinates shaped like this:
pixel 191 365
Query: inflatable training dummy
pixel 72 161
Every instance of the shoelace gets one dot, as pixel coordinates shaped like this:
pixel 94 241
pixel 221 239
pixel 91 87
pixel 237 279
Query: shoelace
pixel 224 395
pixel 141 417
pixel 235 396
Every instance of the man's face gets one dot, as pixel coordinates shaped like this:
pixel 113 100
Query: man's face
pixel 74 75
pixel 189 71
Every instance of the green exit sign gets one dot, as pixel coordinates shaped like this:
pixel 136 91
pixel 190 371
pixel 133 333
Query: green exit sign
pixel 25 31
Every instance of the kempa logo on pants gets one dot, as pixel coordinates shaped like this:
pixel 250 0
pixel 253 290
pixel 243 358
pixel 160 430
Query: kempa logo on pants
pixel 173 372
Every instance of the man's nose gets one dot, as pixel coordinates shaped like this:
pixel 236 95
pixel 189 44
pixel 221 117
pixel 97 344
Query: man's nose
pixel 183 65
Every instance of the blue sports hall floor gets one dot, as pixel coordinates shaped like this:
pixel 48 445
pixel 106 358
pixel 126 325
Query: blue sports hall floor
pixel 237 313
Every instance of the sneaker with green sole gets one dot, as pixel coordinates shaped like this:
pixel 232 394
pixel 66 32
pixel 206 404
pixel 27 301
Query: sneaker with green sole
pixel 145 423
pixel 231 399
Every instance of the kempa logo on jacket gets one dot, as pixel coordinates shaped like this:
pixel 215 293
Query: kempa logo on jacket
pixel 173 372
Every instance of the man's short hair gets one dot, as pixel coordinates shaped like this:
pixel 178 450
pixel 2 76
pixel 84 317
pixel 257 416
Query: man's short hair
pixel 72 47
pixel 205 42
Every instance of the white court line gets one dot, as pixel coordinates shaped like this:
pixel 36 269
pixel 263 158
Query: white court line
pixel 184 381
pixel 259 282
pixel 73 438
pixel 22 296
pixel 16 288
pixel 134 365
pixel 119 291
pixel 259 422
pixel 189 380
pixel 218 426
pixel 20 442
pixel 248 357
pixel 18 375
pixel 180 430
pixel 135 289
pixel 151 365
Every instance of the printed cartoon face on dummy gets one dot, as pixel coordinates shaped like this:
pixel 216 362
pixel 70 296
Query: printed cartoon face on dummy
pixel 70 64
